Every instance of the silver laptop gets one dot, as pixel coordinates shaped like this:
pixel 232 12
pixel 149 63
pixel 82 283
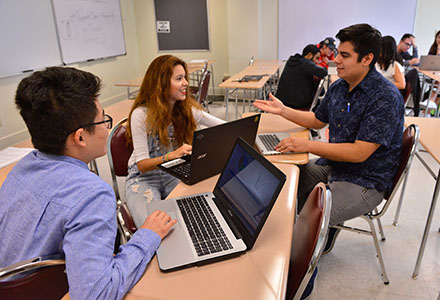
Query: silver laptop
pixel 266 142
pixel 430 62
pixel 226 222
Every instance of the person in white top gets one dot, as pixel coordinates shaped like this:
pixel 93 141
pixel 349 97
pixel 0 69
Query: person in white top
pixel 161 124
pixel 387 64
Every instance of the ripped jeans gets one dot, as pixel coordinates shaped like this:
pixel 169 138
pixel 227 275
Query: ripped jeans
pixel 143 188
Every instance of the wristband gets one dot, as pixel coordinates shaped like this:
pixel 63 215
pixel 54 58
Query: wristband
pixel 166 156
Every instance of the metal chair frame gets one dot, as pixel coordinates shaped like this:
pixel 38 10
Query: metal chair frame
pixel 377 213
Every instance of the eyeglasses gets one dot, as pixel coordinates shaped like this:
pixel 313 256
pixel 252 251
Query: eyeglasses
pixel 408 44
pixel 108 122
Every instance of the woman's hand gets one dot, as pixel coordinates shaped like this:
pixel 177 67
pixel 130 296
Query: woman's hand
pixel 185 149
pixel 273 105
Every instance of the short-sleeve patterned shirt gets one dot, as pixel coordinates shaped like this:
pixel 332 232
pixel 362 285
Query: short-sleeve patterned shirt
pixel 372 112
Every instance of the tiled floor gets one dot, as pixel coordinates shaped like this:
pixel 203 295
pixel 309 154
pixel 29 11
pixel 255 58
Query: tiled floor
pixel 351 270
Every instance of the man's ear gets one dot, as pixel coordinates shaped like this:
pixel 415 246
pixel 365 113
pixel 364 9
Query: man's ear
pixel 367 59
pixel 77 137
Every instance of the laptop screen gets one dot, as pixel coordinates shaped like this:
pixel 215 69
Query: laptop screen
pixel 248 186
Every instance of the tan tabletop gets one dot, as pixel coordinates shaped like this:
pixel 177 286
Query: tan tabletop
pixel 275 123
pixel 432 74
pixel 430 140
pixel 260 273
pixel 260 67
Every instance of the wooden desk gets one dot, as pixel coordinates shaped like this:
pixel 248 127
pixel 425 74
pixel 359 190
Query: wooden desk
pixel 429 139
pixel 137 82
pixel 258 274
pixel 233 86
pixel 275 123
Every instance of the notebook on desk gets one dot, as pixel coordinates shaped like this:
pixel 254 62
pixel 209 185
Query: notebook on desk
pixel 226 222
pixel 430 62
pixel 210 149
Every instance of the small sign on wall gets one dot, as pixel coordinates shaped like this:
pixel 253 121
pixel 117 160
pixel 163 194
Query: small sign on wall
pixel 163 26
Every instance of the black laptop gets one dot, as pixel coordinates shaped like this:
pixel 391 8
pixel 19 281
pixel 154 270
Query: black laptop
pixel 225 222
pixel 210 149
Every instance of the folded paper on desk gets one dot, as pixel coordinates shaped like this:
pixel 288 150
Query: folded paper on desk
pixel 252 77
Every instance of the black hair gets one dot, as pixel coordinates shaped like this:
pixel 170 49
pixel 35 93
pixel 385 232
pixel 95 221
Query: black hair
pixel 365 40
pixel 433 49
pixel 388 52
pixel 56 101
pixel 406 36
pixel 310 48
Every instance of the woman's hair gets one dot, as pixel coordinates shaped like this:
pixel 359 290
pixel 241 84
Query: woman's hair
pixel 154 95
pixel 388 52
pixel 433 49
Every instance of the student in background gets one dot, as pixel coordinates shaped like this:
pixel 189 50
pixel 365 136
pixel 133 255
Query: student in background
pixel 387 64
pixel 299 80
pixel 406 42
pixel 161 124
pixel 327 48
pixel 364 112
pixel 435 47
pixel 51 203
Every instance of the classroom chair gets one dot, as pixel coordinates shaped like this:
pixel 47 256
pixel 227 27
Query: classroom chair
pixel 48 280
pixel 409 144
pixel 118 154
pixel 202 96
pixel 309 235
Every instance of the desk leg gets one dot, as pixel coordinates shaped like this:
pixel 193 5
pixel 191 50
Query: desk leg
pixel 226 104
pixel 427 226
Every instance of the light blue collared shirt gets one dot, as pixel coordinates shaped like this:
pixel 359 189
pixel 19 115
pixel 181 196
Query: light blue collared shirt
pixel 53 204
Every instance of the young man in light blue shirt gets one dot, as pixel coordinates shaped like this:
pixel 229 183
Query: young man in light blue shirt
pixel 51 203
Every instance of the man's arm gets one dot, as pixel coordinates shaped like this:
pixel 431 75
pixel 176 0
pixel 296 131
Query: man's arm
pixel 312 69
pixel 303 118
pixel 356 152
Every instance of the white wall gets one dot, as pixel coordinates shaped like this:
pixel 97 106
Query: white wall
pixel 13 129
pixel 427 24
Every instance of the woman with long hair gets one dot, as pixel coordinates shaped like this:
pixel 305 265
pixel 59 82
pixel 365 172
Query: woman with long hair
pixel 435 47
pixel 387 64
pixel 160 127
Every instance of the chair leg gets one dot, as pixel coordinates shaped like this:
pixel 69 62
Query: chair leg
pixel 382 234
pixel 379 253
pixel 399 205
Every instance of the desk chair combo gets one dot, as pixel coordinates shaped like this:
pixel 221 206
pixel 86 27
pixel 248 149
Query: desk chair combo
pixel 309 236
pixel 409 144
pixel 118 154
pixel 48 280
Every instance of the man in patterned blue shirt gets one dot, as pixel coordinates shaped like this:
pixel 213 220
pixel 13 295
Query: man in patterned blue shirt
pixel 50 203
pixel 364 112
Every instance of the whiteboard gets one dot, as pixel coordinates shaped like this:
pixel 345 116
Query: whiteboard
pixel 89 29
pixel 303 22
pixel 28 36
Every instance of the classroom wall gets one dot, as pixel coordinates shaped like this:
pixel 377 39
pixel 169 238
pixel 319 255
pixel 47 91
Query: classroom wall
pixel 148 46
pixel 238 30
pixel 13 129
pixel 427 24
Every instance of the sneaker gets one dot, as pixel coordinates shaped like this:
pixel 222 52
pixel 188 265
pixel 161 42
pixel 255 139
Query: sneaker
pixel 331 238
pixel 309 288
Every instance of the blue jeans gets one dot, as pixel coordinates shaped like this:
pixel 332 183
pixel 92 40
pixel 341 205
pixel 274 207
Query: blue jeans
pixel 143 188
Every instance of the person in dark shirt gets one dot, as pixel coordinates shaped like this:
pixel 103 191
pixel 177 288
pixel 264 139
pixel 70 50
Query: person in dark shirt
pixel 298 82
pixel 364 112
pixel 406 42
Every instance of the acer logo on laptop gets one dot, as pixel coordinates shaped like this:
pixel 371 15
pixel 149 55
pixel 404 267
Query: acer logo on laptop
pixel 202 155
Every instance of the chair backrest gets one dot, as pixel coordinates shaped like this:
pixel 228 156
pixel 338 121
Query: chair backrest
pixel 309 235
pixel 49 281
pixel 118 153
pixel 407 92
pixel 204 87
pixel 410 139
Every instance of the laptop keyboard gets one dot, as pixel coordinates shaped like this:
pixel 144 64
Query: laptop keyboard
pixel 183 169
pixel 206 234
pixel 269 141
